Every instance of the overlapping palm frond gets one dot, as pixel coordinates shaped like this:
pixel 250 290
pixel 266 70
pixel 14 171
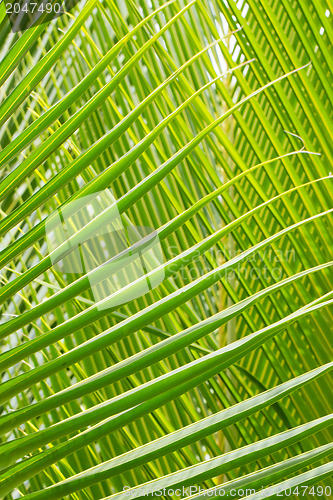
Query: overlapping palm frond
pixel 197 136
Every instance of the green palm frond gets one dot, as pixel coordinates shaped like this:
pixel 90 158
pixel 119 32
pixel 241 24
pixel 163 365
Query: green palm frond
pixel 166 257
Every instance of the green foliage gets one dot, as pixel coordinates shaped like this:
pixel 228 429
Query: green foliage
pixel 210 122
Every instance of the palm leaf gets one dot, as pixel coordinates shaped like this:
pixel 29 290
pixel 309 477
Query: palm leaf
pixel 209 124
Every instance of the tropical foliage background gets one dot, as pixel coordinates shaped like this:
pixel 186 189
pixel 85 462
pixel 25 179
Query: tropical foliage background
pixel 211 122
